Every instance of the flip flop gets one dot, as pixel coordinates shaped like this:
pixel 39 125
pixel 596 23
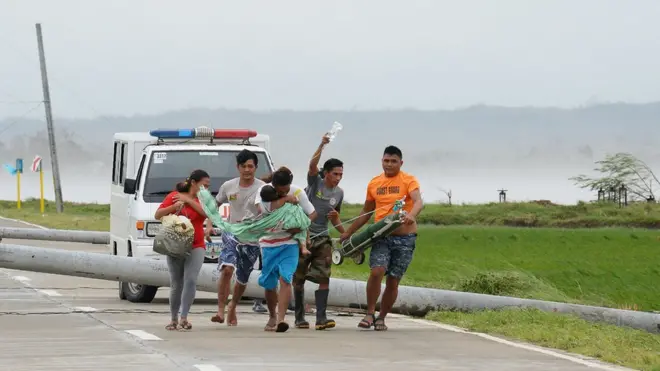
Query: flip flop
pixel 282 327
pixel 217 319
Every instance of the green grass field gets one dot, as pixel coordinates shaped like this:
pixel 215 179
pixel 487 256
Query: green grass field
pixel 608 267
pixel 475 248
pixel 635 349
pixel 512 214
pixel 90 217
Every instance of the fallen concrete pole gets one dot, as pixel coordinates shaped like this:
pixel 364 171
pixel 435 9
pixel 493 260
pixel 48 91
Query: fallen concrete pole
pixel 343 293
pixel 93 237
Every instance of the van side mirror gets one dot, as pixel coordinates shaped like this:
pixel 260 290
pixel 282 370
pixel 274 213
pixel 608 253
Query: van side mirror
pixel 129 186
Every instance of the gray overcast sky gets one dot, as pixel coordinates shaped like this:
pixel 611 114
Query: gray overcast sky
pixel 125 57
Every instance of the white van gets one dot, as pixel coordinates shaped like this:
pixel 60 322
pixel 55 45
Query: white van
pixel 147 166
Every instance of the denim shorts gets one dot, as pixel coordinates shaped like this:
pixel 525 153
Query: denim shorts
pixel 240 256
pixel 394 253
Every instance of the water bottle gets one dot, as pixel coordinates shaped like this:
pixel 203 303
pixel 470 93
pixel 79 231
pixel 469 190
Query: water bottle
pixel 336 127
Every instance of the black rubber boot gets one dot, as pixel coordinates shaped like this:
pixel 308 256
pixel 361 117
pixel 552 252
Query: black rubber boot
pixel 322 322
pixel 299 298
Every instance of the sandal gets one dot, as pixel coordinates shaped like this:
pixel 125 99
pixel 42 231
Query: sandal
pixel 366 324
pixel 172 326
pixel 379 324
pixel 185 325
pixel 217 319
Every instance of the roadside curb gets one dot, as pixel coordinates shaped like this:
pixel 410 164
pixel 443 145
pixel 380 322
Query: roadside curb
pixel 572 357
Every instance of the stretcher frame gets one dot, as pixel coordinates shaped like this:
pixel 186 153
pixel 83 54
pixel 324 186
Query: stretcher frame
pixel 357 253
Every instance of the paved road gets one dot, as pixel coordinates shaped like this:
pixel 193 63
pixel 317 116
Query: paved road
pixel 52 322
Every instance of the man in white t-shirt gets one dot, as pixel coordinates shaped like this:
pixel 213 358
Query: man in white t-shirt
pixel 235 257
pixel 280 251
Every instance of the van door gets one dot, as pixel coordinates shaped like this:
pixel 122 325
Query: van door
pixel 135 210
pixel 119 200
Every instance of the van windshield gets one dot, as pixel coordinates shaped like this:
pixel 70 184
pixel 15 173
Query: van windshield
pixel 167 168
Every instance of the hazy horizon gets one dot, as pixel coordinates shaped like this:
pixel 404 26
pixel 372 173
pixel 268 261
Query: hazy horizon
pixel 472 152
pixel 478 94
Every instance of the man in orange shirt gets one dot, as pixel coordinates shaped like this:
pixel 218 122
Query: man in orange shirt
pixel 392 254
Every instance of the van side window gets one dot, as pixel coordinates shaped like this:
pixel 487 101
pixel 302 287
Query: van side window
pixel 115 164
pixel 139 173
pixel 122 168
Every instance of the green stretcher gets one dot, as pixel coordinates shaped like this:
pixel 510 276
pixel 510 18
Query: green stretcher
pixel 357 244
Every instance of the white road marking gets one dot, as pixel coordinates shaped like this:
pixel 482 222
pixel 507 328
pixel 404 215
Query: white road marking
pixel 143 335
pixel 22 279
pixel 85 309
pixel 50 292
pixel 585 362
pixel 207 368
pixel 20 221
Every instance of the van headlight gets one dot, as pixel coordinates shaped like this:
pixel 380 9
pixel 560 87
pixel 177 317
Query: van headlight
pixel 153 229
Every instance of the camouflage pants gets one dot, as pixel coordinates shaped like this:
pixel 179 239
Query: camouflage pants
pixel 315 267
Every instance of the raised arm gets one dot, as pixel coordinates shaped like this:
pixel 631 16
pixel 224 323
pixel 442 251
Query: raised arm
pixel 316 157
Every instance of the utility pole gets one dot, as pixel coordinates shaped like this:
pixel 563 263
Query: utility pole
pixel 49 122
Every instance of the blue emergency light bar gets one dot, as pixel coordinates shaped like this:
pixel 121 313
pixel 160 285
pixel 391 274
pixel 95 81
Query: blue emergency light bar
pixel 173 134
pixel 203 132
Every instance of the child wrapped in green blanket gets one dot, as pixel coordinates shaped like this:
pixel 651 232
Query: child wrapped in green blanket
pixel 251 230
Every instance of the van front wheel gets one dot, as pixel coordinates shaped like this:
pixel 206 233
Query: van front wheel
pixel 136 293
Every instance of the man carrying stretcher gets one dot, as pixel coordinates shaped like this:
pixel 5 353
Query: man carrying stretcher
pixel 392 254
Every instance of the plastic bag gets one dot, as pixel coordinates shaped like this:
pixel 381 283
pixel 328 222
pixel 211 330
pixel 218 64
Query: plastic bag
pixel 175 237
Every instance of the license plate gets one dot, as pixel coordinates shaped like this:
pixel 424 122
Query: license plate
pixel 213 249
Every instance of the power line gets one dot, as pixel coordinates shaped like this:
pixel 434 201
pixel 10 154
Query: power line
pixel 8 126
pixel 19 101
pixel 53 77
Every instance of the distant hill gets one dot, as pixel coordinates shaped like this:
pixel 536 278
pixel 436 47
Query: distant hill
pixel 476 137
